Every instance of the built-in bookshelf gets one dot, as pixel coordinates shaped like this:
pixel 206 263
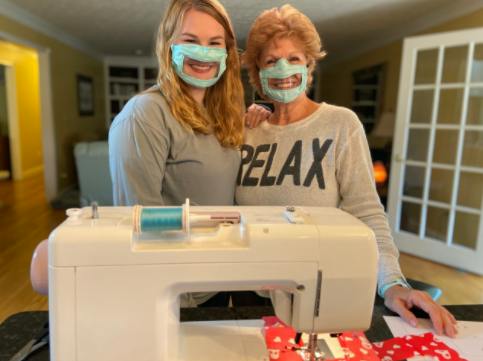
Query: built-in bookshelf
pixel 367 94
pixel 126 77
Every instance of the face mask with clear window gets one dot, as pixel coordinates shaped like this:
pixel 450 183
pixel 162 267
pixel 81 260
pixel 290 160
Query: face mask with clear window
pixel 199 53
pixel 282 70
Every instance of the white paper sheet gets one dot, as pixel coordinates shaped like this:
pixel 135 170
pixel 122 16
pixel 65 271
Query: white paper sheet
pixel 468 343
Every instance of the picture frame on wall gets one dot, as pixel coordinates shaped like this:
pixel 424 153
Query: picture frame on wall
pixel 85 95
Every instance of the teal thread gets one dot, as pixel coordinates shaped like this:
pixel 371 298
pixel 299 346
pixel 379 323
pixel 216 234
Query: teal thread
pixel 161 219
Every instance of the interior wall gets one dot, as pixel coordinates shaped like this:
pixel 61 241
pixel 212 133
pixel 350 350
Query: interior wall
pixel 336 80
pixel 26 69
pixel 69 127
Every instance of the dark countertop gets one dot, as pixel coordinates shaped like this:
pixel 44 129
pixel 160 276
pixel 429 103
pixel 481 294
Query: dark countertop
pixel 18 329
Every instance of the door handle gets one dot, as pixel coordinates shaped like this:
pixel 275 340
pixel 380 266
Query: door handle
pixel 398 158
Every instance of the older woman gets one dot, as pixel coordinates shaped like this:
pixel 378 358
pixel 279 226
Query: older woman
pixel 316 154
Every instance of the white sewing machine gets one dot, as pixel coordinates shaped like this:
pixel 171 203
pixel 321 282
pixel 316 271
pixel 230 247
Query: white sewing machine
pixel 114 292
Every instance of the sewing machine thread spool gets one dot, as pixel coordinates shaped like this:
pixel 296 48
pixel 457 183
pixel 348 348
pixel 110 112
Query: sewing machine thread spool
pixel 161 219
pixel 157 219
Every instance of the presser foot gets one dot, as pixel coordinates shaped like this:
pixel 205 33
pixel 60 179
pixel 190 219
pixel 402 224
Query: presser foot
pixel 309 356
pixel 311 352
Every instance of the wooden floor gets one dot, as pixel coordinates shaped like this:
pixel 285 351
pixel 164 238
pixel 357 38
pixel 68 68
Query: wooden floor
pixel 26 218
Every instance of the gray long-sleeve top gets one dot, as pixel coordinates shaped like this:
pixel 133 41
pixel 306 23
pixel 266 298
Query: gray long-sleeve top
pixel 154 160
pixel 322 160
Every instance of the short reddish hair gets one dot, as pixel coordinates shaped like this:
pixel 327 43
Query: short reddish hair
pixel 282 22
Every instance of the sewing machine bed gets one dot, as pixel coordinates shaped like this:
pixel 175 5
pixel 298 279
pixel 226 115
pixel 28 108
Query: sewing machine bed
pixel 19 328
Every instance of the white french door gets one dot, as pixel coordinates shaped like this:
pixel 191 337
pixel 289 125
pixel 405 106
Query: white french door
pixel 435 200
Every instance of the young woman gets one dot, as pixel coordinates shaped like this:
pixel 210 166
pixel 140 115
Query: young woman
pixel 316 154
pixel 181 138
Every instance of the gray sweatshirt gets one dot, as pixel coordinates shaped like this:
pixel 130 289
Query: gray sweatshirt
pixel 322 160
pixel 154 160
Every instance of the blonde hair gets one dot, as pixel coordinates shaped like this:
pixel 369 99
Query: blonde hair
pixel 283 22
pixel 223 109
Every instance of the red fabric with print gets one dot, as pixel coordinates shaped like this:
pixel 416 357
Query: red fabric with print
pixel 280 340
pixel 356 347
pixel 401 348
pixel 281 346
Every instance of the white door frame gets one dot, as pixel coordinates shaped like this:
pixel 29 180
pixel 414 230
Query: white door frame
pixel 47 117
pixel 461 256
pixel 13 131
pixel 48 129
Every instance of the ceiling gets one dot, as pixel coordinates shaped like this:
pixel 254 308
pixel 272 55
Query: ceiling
pixel 127 27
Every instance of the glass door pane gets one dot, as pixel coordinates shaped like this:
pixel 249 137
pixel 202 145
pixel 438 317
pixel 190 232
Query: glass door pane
pixel 445 146
pixel 454 64
pixel 437 223
pixel 466 229
pixel 470 192
pixel 422 108
pixel 473 149
pixel 410 217
pixel 475 107
pixel 418 145
pixel 450 106
pixel 414 181
pixel 426 66
pixel 441 186
pixel 477 65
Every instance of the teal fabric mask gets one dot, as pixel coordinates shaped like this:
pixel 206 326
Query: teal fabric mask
pixel 281 70
pixel 199 53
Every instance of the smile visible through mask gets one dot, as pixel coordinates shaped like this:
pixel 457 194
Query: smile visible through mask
pixel 198 53
pixel 283 70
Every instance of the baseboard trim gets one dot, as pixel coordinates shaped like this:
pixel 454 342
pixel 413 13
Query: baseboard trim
pixel 32 171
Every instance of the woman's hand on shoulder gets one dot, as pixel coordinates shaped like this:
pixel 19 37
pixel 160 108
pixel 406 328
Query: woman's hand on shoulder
pixel 255 115
pixel 400 300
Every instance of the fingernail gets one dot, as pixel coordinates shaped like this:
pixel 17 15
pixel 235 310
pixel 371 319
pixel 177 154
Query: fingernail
pixel 414 323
